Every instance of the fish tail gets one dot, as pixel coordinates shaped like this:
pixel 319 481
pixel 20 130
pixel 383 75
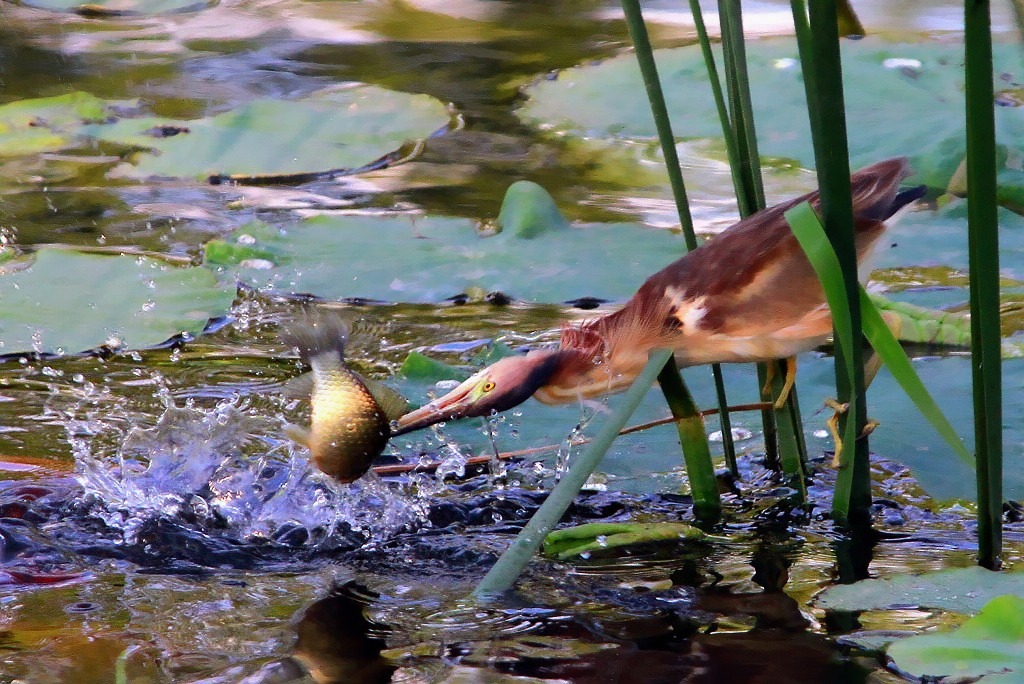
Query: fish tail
pixel 317 335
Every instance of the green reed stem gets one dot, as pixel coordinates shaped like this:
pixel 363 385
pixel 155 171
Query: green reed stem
pixel 691 440
pixel 738 87
pixel 707 504
pixel 514 560
pixel 783 428
pixel 825 100
pixel 983 248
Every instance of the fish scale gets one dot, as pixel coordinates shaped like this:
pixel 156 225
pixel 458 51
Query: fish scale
pixel 349 428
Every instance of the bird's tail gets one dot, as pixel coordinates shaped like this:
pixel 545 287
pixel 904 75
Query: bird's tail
pixel 876 190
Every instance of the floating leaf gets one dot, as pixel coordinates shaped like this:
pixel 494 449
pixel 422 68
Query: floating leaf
pixel 528 211
pixel 338 130
pixel 964 590
pixel 581 539
pixel 67 301
pixel 49 124
pixel 431 259
pixel 990 642
pixel 418 366
pixel 900 99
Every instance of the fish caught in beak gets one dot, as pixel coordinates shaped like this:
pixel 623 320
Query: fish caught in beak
pixel 507 383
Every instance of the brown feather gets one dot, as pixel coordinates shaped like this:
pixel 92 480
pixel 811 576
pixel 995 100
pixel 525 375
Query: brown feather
pixel 748 294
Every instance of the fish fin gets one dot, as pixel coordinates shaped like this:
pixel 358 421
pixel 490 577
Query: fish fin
pixel 317 333
pixel 390 400
pixel 297 434
pixel 300 387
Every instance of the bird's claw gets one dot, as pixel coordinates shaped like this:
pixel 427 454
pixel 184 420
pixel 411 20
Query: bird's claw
pixel 790 378
pixel 833 427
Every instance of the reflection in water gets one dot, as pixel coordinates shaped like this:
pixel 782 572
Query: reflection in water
pixel 336 642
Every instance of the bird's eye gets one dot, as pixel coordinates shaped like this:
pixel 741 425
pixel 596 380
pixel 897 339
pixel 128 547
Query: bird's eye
pixel 488 386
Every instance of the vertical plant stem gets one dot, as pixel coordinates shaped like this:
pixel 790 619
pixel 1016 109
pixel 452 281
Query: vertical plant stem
pixel 742 110
pixel 826 108
pixel 700 472
pixel 983 239
pixel 510 565
pixel 648 69
pixel 783 429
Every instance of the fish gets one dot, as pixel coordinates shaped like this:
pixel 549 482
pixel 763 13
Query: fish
pixel 351 414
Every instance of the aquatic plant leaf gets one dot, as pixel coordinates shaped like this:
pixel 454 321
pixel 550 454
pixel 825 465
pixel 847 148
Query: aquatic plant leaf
pixel 341 130
pixel 114 8
pixel 419 366
pixel 812 238
pixel 574 541
pixel 965 590
pixel 49 124
pixel 921 325
pixel 431 259
pixel 990 642
pixel 901 99
pixel 528 211
pixel 70 302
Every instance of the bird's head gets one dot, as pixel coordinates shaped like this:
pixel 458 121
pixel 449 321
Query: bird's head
pixel 502 385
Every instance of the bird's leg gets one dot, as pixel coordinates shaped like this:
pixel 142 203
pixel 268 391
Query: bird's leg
pixel 871 368
pixel 787 386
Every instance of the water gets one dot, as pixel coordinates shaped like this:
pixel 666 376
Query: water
pixel 151 510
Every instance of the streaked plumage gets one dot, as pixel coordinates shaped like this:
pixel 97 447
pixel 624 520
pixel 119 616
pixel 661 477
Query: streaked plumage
pixel 350 414
pixel 749 294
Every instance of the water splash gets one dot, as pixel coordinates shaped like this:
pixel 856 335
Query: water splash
pixel 227 469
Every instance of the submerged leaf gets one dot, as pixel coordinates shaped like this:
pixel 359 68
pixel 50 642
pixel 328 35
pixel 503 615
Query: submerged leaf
pixel 69 302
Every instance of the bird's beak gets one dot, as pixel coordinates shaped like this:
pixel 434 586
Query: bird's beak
pixel 453 405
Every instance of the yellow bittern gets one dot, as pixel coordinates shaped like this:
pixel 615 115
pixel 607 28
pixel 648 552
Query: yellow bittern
pixel 749 294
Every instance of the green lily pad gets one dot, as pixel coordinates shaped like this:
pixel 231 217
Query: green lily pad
pixel 964 590
pixel 114 8
pixel 336 130
pixel 591 537
pixel 529 210
pixel 431 259
pixel 49 124
pixel 991 642
pixel 68 301
pixel 901 99
pixel 419 366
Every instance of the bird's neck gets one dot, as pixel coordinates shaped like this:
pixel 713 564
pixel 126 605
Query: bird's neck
pixel 584 375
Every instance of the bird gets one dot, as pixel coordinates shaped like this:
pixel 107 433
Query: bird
pixel 747 295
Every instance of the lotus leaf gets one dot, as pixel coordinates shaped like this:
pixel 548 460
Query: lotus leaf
pixel 965 590
pixel 48 124
pixel 901 99
pixel 68 301
pixel 591 537
pixel 990 642
pixel 430 259
pixel 340 129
